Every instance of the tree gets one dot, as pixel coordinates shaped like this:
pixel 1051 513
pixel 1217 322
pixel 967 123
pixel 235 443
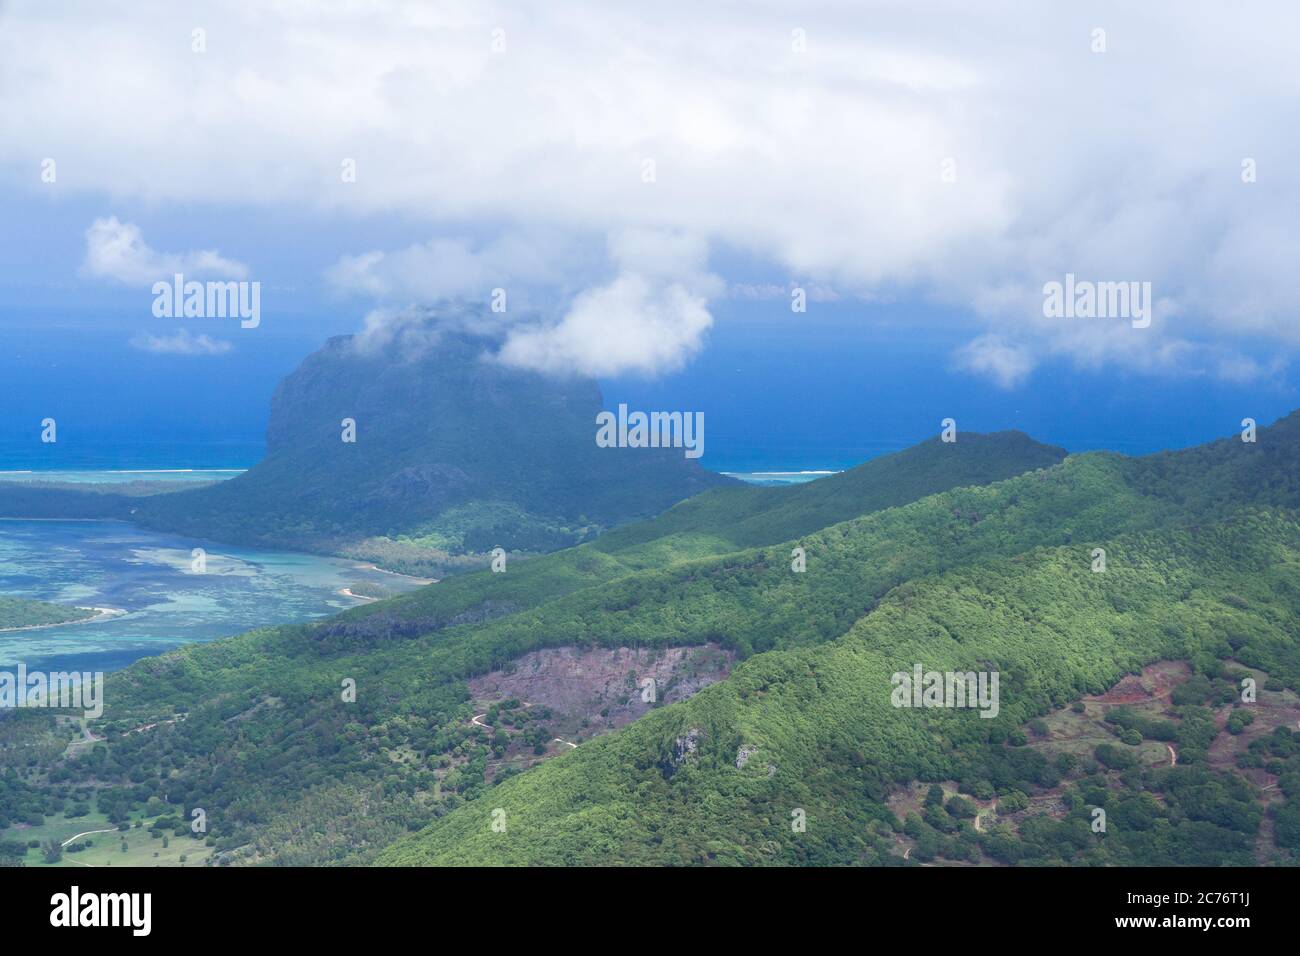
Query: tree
pixel 961 808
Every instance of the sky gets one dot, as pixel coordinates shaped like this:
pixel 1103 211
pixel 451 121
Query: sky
pixel 650 192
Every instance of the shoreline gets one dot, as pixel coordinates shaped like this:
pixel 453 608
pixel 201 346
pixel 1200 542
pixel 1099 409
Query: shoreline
pixel 104 614
pixel 409 577
pixel 347 592
pixel 122 520
pixel 314 552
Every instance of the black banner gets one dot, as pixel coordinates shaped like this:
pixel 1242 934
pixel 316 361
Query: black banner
pixel 137 906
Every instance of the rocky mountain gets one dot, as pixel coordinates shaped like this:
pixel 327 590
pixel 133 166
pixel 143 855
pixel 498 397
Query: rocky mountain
pixel 373 447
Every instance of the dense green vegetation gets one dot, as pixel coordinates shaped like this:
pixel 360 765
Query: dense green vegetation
pixel 822 716
pixel 717 522
pixel 1203 549
pixel 20 612
pixel 366 589
pixel 300 750
pixel 729 519
pixel 34 498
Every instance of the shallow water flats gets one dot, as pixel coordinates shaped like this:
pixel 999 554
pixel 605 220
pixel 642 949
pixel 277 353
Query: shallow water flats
pixel 164 597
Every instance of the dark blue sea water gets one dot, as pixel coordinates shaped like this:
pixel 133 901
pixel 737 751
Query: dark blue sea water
pixel 780 392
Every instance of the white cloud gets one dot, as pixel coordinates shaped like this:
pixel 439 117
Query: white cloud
pixel 117 250
pixel 823 165
pixel 413 330
pixel 1242 369
pixel 651 318
pixel 988 355
pixel 632 324
pixel 182 343
pixel 769 290
pixel 458 267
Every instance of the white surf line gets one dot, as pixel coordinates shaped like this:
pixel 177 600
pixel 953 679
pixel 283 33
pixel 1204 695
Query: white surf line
pixel 159 471
pixel 104 614
pixel 774 474
pixel 96 520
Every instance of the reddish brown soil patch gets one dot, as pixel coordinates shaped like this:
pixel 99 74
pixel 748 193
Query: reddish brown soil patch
pixel 1156 681
pixel 1272 710
pixel 604 688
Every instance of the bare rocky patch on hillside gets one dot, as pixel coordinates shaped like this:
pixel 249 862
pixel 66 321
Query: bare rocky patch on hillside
pixel 591 691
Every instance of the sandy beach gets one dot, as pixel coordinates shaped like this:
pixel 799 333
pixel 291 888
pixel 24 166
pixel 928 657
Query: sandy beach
pixel 398 574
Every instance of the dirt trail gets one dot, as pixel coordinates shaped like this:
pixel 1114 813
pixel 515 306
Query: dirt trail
pixel 73 839
pixel 478 722
pixel 143 727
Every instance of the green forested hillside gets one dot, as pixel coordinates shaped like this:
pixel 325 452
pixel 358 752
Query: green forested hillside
pixel 20 612
pixel 817 727
pixel 824 737
pixel 414 649
pixel 717 522
pixel 36 498
pixel 989 577
pixel 729 519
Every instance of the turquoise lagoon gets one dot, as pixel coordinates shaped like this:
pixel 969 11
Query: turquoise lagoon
pixel 150 576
